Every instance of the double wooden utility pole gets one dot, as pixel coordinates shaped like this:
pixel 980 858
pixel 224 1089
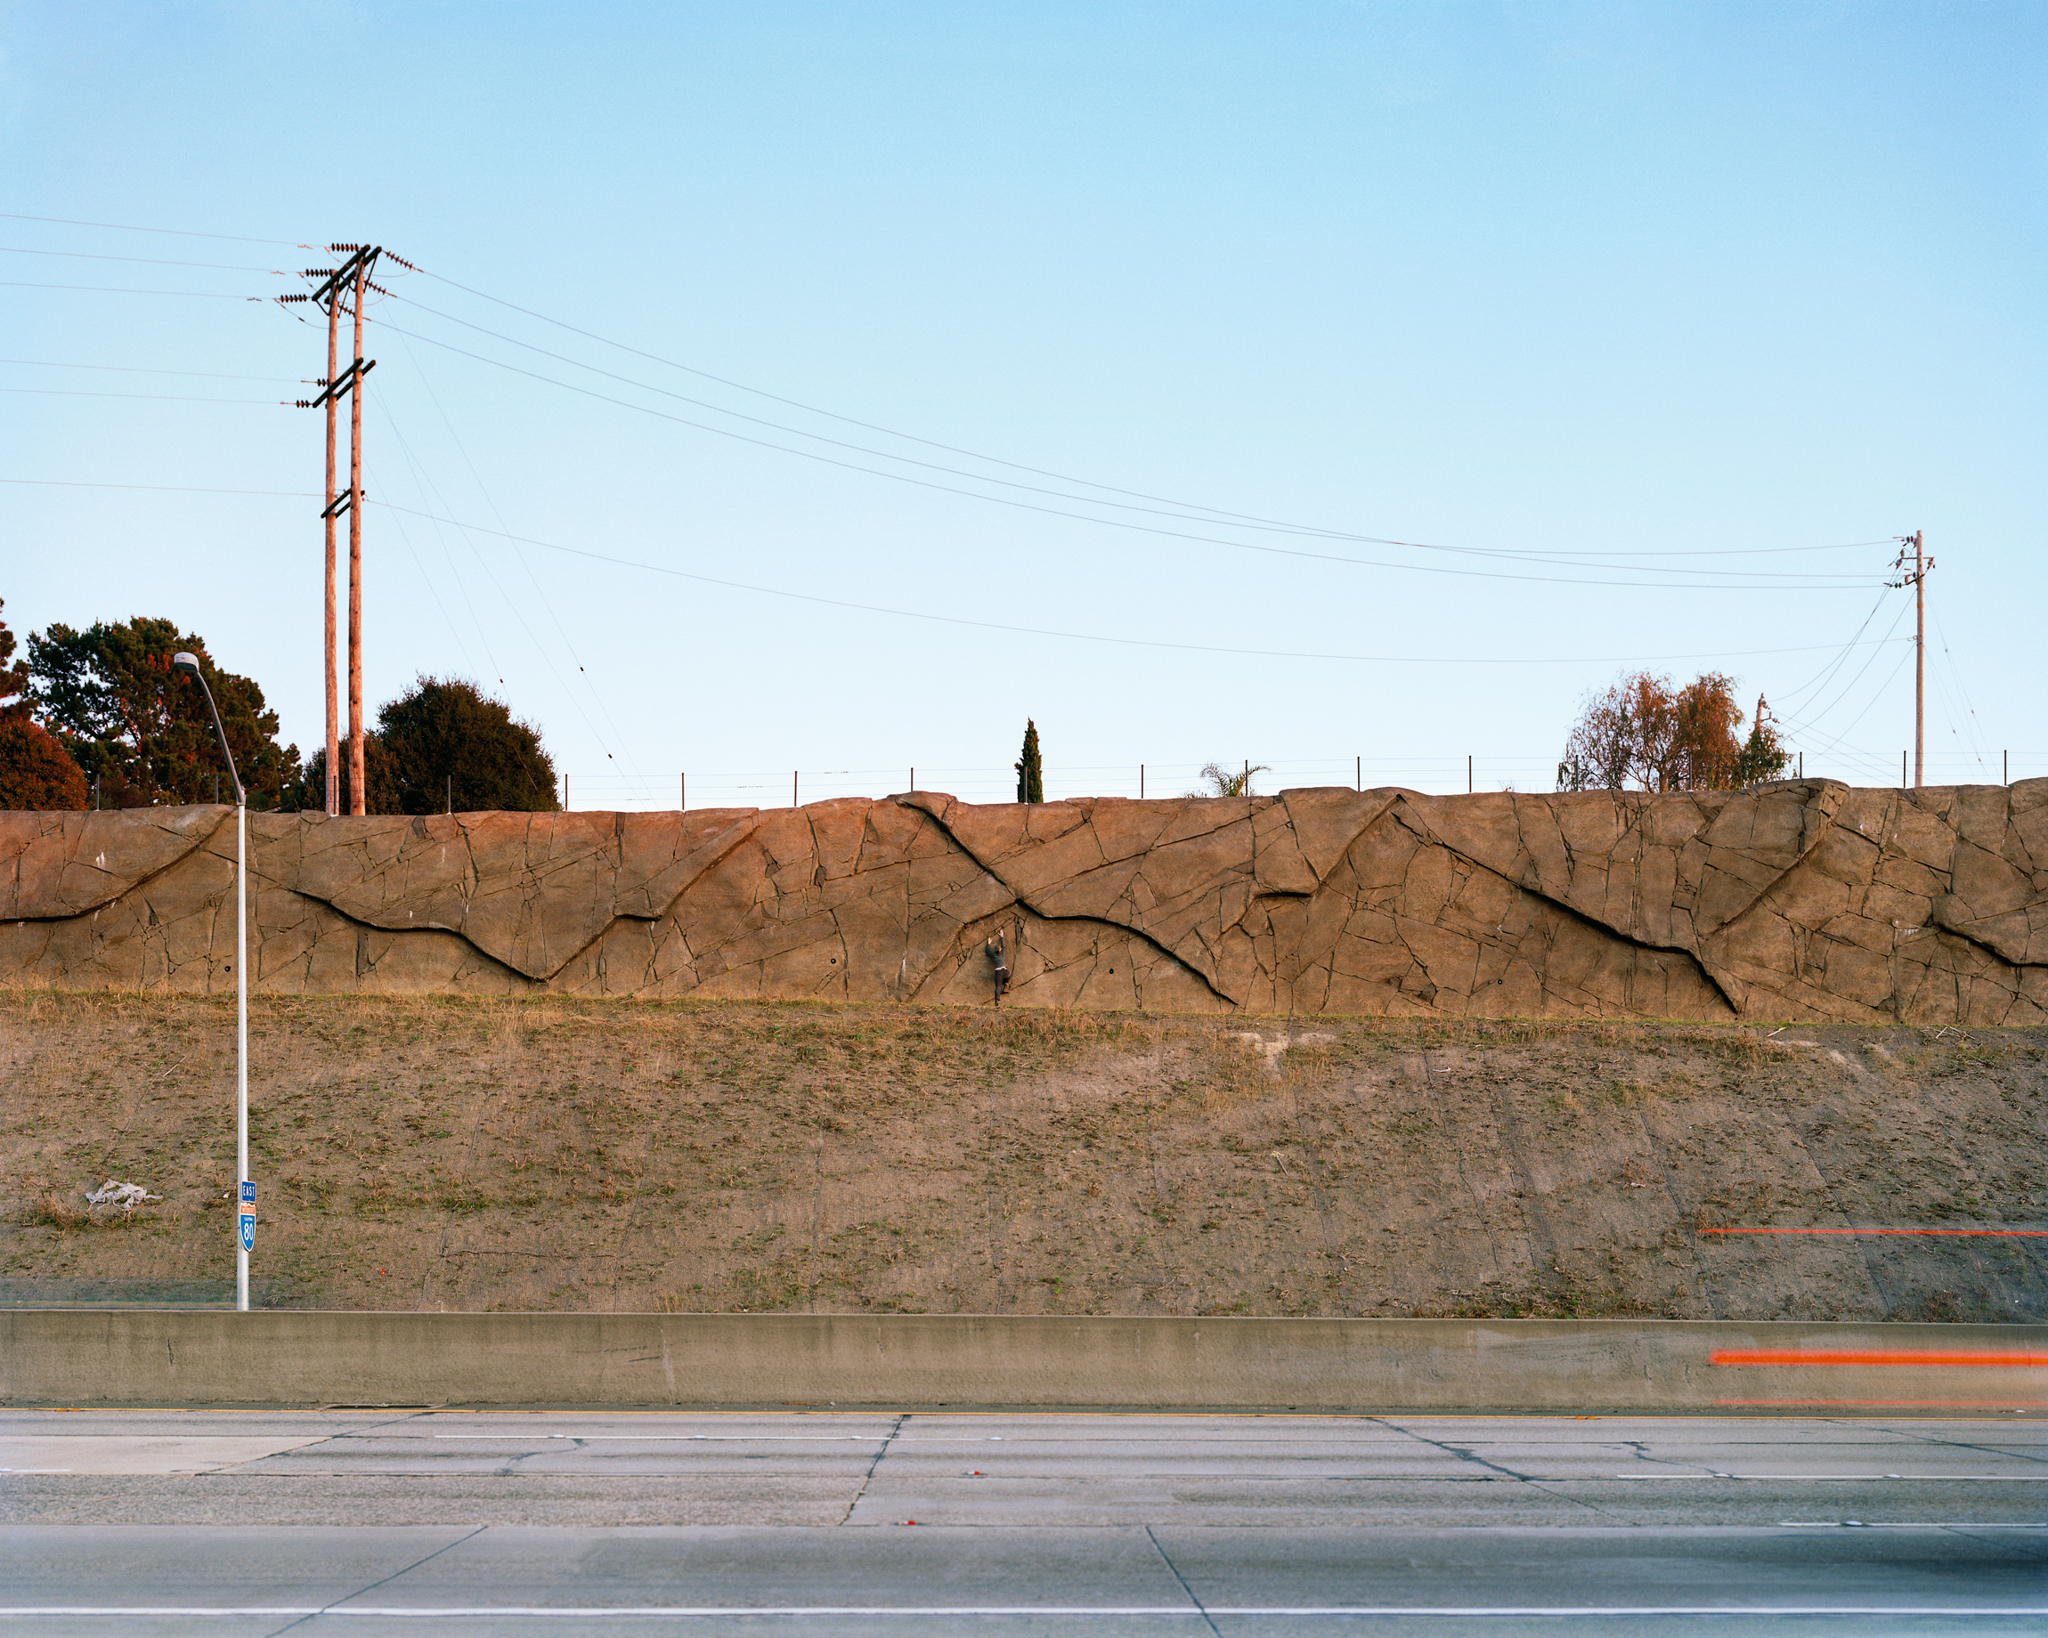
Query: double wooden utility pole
pixel 1915 575
pixel 344 287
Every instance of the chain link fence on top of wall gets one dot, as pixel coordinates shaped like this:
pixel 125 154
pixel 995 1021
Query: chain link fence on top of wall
pixel 1442 775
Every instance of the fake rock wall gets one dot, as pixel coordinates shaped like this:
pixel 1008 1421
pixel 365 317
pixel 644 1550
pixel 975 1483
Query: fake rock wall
pixel 1805 899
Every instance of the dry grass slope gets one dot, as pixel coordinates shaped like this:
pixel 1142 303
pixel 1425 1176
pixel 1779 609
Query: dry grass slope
pixel 705 1155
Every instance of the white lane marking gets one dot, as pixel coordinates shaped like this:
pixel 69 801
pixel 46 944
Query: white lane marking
pixel 586 1612
pixel 1837 1478
pixel 1901 1524
pixel 34 1470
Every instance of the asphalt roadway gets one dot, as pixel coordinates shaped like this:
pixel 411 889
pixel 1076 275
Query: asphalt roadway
pixel 389 1521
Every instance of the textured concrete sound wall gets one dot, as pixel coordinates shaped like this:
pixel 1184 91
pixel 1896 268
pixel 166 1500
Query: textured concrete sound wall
pixel 1805 899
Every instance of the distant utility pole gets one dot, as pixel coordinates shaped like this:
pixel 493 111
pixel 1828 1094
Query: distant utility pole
pixel 1916 577
pixel 344 286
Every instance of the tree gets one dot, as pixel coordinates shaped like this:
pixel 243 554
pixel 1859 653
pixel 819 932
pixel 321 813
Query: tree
pixel 36 772
pixel 1030 775
pixel 1230 781
pixel 383 797
pixel 1644 730
pixel 450 729
pixel 141 727
pixel 14 702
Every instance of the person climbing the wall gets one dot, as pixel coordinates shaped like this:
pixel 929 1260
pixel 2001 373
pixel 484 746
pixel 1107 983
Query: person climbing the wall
pixel 995 948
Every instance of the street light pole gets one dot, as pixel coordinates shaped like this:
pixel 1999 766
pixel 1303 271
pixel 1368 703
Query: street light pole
pixel 245 1190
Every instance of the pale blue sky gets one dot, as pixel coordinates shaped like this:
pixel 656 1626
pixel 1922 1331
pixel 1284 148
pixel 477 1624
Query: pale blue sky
pixel 1550 279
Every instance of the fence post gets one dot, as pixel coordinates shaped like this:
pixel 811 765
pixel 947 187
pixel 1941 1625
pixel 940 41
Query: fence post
pixel 1141 782
pixel 1468 774
pixel 792 788
pixel 682 792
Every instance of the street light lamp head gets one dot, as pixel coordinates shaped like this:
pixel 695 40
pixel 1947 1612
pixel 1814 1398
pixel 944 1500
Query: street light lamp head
pixel 190 662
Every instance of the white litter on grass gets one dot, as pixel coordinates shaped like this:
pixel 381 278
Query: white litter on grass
pixel 125 1195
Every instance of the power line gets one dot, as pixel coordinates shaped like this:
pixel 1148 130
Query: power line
pixel 135 369
pixel 1818 676
pixel 1091 637
pixel 157 397
pixel 1184 510
pixel 1080 517
pixel 123 227
pixel 1018 466
pixel 124 290
pixel 165 488
pixel 423 483
pixel 568 643
pixel 153 261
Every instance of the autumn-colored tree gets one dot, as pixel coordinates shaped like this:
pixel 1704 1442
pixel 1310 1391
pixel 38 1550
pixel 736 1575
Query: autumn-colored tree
pixel 14 700
pixel 36 772
pixel 141 727
pixel 1646 733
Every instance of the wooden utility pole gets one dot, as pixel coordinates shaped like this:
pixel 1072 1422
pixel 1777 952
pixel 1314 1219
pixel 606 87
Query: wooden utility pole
pixel 347 282
pixel 333 794
pixel 1916 577
pixel 356 794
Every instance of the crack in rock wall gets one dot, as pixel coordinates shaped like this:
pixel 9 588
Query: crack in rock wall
pixel 1801 899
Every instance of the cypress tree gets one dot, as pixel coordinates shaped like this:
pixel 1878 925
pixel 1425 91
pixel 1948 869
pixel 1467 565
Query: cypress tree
pixel 1030 776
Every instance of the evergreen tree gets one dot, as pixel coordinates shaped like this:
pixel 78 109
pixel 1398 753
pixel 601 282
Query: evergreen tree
pixel 1030 775
pixel 442 730
pixel 140 726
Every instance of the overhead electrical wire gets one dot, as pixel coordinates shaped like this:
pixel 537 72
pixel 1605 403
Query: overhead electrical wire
pixel 1082 517
pixel 1042 472
pixel 127 290
pixel 124 227
pixel 153 261
pixel 136 369
pixel 1819 677
pixel 1093 637
pixel 425 483
pixel 455 631
pixel 1180 510
pixel 152 397
pixel 548 603
pixel 1818 712
pixel 1236 518
pixel 164 488
pixel 1838 745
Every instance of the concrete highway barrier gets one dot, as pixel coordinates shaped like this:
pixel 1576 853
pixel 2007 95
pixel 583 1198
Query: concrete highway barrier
pixel 210 1357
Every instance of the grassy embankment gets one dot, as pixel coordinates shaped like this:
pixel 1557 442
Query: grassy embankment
pixel 722 1155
